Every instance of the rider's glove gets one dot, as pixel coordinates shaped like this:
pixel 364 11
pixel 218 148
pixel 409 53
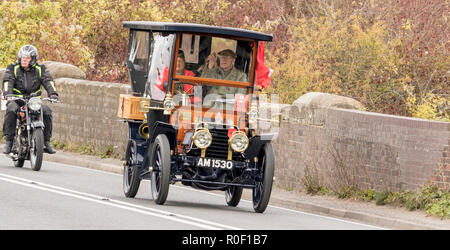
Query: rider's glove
pixel 8 97
pixel 54 97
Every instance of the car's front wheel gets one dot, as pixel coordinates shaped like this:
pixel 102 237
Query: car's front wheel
pixel 161 173
pixel 263 189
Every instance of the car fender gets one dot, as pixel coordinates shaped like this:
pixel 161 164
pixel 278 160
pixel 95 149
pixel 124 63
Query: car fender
pixel 171 131
pixel 256 144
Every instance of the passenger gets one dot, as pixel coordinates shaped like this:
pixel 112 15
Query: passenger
pixel 182 71
pixel 163 80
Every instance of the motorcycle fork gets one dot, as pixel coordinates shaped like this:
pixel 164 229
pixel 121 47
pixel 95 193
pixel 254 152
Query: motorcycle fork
pixel 28 127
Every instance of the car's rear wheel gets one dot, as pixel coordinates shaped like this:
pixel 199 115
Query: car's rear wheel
pixel 131 180
pixel 161 165
pixel 263 189
pixel 233 195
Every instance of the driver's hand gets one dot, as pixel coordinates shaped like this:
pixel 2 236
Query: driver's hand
pixel 212 60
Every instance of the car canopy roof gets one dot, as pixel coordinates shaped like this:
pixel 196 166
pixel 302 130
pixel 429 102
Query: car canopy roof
pixel 196 28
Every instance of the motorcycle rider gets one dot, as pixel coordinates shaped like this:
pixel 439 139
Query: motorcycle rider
pixel 23 79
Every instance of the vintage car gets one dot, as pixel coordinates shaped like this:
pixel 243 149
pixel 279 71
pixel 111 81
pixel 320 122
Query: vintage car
pixel 192 117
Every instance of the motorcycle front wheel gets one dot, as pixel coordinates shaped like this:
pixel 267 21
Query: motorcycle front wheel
pixel 37 149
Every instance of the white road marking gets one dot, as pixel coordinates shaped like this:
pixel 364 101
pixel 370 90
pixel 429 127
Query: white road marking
pixel 209 225
pixel 287 209
pixel 217 195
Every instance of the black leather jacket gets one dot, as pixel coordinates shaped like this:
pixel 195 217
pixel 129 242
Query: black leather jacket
pixel 20 83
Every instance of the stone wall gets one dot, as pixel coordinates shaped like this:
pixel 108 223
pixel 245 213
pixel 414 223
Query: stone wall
pixel 367 149
pixel 345 146
pixel 88 114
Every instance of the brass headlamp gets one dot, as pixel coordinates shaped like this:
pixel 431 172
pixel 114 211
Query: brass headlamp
pixel 168 105
pixel 202 139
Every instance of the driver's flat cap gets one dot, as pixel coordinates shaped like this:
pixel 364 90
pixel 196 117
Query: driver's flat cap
pixel 227 52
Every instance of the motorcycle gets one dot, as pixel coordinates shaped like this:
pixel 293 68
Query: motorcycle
pixel 28 142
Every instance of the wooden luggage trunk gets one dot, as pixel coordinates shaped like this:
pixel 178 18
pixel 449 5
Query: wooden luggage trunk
pixel 128 108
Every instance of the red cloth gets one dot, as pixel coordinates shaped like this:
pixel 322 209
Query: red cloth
pixel 230 132
pixel 165 78
pixel 188 87
pixel 262 71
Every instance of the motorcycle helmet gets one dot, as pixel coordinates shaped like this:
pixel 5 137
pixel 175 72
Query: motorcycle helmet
pixel 28 51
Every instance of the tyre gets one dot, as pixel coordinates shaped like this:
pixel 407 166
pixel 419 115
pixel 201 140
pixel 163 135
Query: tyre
pixel 233 196
pixel 263 189
pixel 161 165
pixel 37 149
pixel 131 180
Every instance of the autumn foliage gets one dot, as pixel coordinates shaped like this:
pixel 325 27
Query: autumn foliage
pixel 391 55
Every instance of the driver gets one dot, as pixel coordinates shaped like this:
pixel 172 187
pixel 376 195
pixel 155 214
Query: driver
pixel 223 69
pixel 23 79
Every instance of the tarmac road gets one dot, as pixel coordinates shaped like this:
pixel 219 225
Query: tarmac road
pixel 62 196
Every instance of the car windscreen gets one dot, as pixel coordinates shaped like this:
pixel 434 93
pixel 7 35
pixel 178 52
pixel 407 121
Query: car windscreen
pixel 138 55
pixel 218 58
pixel 215 57
pixel 160 57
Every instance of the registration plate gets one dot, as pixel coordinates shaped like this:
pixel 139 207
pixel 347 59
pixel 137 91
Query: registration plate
pixel 214 163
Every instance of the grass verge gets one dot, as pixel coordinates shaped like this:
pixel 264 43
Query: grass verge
pixel 430 199
pixel 88 149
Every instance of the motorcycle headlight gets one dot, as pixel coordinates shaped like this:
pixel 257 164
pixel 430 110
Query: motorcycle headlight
pixel 202 138
pixel 35 103
pixel 239 141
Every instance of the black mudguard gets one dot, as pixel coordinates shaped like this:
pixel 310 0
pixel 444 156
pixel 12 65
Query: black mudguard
pixel 256 144
pixel 171 131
